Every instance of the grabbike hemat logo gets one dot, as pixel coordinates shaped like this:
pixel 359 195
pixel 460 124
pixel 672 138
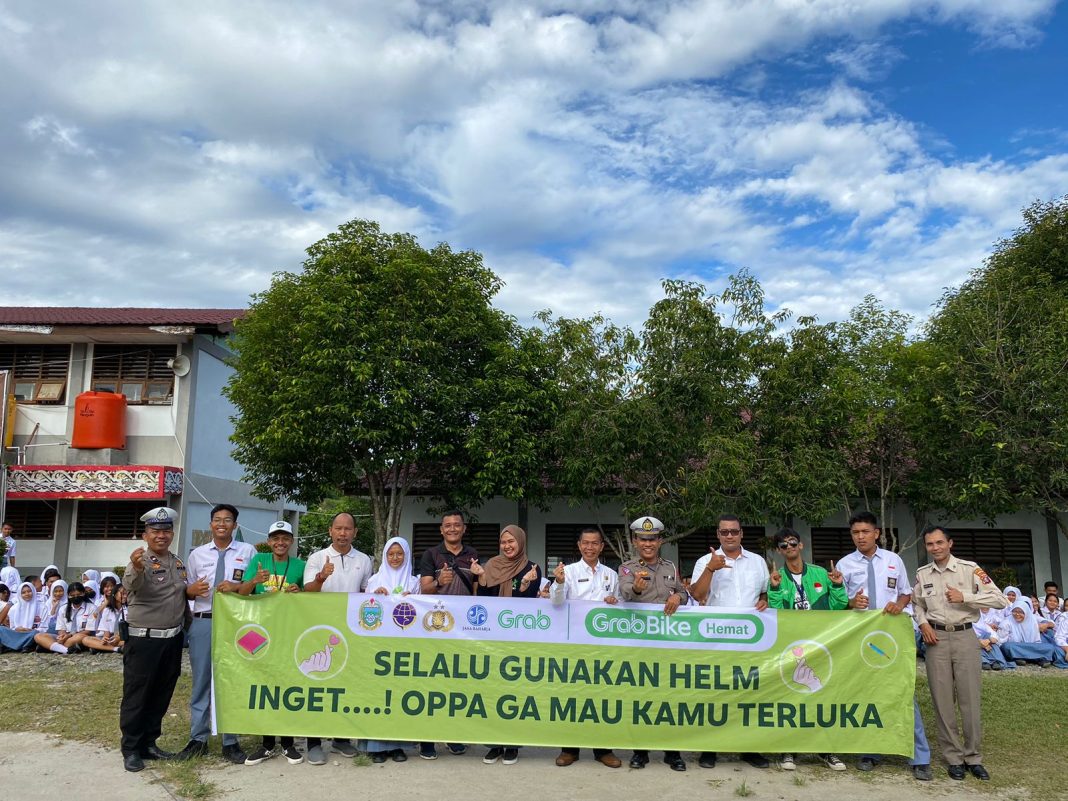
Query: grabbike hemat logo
pixel 739 629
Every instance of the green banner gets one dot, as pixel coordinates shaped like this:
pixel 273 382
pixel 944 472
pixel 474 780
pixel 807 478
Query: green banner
pixel 487 670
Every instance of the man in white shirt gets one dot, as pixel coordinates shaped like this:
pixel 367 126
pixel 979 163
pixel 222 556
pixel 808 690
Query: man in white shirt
pixel 731 576
pixel 339 568
pixel 877 579
pixel 216 566
pixel 586 580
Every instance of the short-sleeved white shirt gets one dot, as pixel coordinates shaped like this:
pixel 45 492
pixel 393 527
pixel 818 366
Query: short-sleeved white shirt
pixel 739 585
pixel 891 577
pixel 351 570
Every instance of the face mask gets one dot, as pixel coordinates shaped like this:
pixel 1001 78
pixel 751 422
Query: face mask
pixel 76 599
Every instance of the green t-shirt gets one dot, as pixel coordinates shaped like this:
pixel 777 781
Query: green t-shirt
pixel 283 574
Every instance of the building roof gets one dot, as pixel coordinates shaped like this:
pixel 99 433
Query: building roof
pixel 93 315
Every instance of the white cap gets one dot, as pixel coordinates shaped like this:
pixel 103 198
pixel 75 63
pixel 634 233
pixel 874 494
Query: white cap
pixel 281 525
pixel 160 517
pixel 646 525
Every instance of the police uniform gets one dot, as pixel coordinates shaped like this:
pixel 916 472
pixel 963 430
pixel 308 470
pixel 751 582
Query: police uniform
pixel 953 664
pixel 157 613
pixel 662 581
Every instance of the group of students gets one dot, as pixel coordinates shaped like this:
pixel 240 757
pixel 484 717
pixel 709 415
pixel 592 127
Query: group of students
pixel 1027 631
pixel 47 614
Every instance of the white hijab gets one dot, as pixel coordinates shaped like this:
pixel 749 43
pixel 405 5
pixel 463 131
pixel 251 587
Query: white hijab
pixel 46 610
pixel 1028 630
pixel 396 580
pixel 22 614
pixel 91 575
pixel 9 576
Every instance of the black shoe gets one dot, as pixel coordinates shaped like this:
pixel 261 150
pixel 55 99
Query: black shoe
pixel 493 755
pixel 194 748
pixel 956 772
pixel 922 773
pixel 708 759
pixel 997 666
pixel 979 772
pixel 756 760
pixel 639 761
pixel 456 749
pixel 398 755
pixel 234 754
pixel 378 757
pixel 866 764
pixel 133 763
pixel 674 760
pixel 155 752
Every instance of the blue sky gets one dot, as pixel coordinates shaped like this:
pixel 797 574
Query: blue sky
pixel 589 149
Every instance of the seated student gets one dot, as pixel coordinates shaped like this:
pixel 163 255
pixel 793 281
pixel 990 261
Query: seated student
pixel 104 626
pixel 34 580
pixel 91 575
pixel 986 630
pixel 22 620
pixel 394 577
pixel 275 572
pixel 92 591
pixel 5 601
pixel 45 637
pixel 1060 634
pixel 1051 608
pixel 1022 642
pixel 49 576
pixel 72 621
pixel 9 577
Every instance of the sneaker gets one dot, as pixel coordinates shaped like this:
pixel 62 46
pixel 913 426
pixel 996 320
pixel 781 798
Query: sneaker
pixel 261 754
pixel 786 762
pixel 866 764
pixel 234 754
pixel 493 755
pixel 428 751
pixel 316 755
pixel 456 749
pixel 292 755
pixel 398 755
pixel 343 747
pixel 511 756
pixel 832 761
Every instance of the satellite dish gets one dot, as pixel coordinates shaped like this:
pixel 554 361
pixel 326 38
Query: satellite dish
pixel 179 365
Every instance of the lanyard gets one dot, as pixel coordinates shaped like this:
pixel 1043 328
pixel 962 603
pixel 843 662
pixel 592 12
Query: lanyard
pixel 281 578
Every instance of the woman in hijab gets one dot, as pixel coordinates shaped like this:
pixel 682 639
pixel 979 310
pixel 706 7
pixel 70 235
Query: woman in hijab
pixel 1022 641
pixel 91 575
pixel 46 628
pixel 22 620
pixel 10 577
pixel 394 577
pixel 49 575
pixel 105 626
pixel 986 630
pixel 508 575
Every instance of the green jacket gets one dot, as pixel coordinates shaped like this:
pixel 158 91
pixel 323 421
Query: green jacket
pixel 824 596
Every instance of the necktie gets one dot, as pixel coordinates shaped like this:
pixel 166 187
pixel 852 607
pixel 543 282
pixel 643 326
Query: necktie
pixel 872 588
pixel 220 568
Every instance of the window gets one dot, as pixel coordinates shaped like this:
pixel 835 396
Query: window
pixel 39 372
pixel 992 549
pixel 693 546
pixel 139 372
pixel 561 542
pixel 834 543
pixel 33 520
pixel 483 537
pixel 111 520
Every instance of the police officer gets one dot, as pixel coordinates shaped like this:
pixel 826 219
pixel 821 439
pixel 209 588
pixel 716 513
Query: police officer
pixel 650 579
pixel 152 656
pixel 948 597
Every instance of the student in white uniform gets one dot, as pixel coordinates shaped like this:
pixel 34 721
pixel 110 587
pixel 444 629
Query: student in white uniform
pixel 586 580
pixel 47 629
pixel 105 626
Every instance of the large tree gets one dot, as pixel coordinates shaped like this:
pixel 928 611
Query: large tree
pixel 1001 381
pixel 383 366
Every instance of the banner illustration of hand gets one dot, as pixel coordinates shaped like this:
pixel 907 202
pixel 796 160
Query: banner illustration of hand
pixel 319 662
pixel 803 674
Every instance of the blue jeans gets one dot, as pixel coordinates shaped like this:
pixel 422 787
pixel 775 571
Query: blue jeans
pixel 921 751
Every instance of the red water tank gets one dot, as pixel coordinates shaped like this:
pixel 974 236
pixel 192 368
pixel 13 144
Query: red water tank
pixel 99 420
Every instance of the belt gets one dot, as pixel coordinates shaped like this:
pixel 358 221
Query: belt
pixel 156 634
pixel 958 627
pixel 202 614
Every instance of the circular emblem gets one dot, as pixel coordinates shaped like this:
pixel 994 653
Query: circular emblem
pixel 878 650
pixel 370 614
pixel 321 652
pixel 404 614
pixel 438 619
pixel 805 666
pixel 477 615
pixel 252 641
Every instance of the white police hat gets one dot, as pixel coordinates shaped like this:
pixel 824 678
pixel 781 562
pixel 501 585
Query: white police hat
pixel 160 517
pixel 282 526
pixel 646 525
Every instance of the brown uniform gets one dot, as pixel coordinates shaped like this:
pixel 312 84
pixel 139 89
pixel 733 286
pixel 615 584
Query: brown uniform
pixel 663 582
pixel 953 663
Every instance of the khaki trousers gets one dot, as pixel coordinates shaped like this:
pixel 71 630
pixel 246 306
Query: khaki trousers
pixel 953 672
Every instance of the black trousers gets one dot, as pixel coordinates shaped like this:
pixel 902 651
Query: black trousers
pixel 150 669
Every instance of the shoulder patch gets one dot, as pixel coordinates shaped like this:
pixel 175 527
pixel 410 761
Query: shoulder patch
pixel 624 570
pixel 982 576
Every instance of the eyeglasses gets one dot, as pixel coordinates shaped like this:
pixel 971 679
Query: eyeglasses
pixel 730 532
pixel 788 544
